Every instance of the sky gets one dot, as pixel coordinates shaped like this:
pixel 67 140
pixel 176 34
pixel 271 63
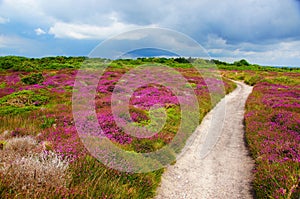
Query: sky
pixel 265 32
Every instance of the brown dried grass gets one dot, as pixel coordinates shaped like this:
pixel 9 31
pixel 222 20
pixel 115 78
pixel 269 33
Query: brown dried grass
pixel 29 173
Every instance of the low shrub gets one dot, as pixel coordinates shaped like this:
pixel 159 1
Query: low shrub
pixel 35 78
pixel 22 101
pixel 22 145
pixel 252 80
pixel 35 175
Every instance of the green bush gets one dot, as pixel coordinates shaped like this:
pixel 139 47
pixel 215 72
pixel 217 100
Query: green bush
pixel 253 80
pixel 3 85
pixel 181 60
pixel 21 101
pixel 35 78
pixel 242 62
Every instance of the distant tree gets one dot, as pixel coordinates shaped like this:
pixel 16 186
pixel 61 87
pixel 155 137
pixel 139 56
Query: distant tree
pixel 218 62
pixel 181 60
pixel 242 62
pixel 162 60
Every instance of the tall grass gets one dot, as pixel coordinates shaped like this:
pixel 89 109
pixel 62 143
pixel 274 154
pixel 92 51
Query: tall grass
pixel 22 123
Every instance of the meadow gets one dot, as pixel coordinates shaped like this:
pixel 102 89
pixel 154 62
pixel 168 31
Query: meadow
pixel 42 155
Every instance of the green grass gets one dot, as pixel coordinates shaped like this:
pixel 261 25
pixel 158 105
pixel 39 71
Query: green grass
pixel 97 181
pixel 47 116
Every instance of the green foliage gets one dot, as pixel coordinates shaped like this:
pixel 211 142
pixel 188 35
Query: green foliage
pixel 218 62
pixel 284 80
pixel 242 62
pixel 252 80
pixel 190 85
pixel 23 98
pixel 244 65
pixel 3 85
pixel 4 110
pixel 181 60
pixel 9 62
pixel 48 122
pixel 16 63
pixel 20 102
pixel 37 64
pixel 35 78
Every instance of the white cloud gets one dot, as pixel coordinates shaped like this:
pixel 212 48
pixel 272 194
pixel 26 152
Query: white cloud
pixel 87 31
pixel 214 41
pixel 4 20
pixel 27 12
pixel 131 36
pixel 39 31
pixel 285 53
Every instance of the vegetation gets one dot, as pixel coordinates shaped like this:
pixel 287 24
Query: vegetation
pixel 34 78
pixel 243 65
pixel 39 140
pixel 273 131
pixel 34 64
pixel 38 127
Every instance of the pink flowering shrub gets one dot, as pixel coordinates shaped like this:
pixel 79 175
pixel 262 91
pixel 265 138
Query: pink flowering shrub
pixel 51 125
pixel 273 133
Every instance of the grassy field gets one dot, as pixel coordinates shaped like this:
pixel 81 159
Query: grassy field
pixel 42 155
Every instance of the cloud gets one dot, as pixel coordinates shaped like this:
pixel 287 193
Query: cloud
pixel 24 11
pixel 253 21
pixel 4 20
pixel 285 53
pixel 87 31
pixel 229 28
pixel 39 31
pixel 243 21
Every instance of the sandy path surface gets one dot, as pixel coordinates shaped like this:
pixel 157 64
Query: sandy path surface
pixel 215 162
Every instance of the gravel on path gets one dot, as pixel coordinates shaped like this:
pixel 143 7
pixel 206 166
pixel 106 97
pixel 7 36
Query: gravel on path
pixel 215 162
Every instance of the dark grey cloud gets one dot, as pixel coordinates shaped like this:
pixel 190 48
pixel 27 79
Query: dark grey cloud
pixel 240 21
pixel 227 28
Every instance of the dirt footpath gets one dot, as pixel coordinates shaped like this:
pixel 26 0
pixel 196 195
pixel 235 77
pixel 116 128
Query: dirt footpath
pixel 215 162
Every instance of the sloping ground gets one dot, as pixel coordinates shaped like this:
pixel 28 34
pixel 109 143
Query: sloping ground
pixel 216 164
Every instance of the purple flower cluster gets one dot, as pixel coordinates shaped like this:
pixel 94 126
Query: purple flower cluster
pixel 8 82
pixel 273 132
pixel 62 133
pixel 60 79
